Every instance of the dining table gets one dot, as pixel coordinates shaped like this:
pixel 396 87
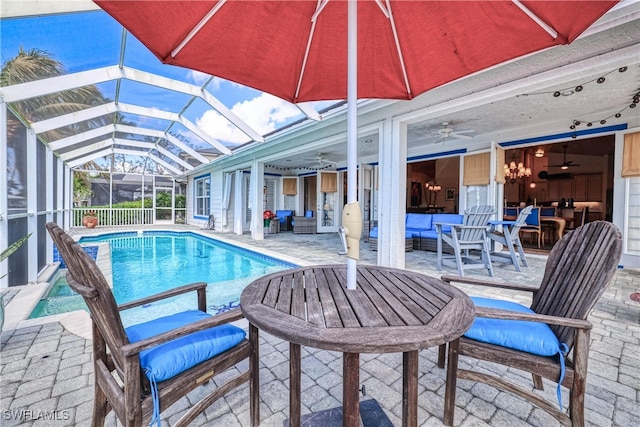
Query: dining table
pixel 559 223
pixel 391 310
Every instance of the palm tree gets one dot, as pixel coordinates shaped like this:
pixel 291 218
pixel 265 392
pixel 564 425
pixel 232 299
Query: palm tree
pixel 36 64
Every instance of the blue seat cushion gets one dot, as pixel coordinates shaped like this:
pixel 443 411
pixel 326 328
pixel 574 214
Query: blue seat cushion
pixel 169 359
pixel 531 337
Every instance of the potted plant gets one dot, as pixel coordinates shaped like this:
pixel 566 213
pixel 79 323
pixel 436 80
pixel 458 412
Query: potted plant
pixel 90 219
pixel 268 216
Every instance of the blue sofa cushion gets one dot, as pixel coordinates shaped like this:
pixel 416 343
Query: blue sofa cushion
pixel 447 218
pixel 374 234
pixel 414 232
pixel 417 221
pixel 429 234
pixel 531 337
pixel 167 360
pixel 283 215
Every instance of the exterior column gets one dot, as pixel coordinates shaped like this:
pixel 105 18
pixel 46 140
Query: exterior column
pixel 393 194
pixel 32 206
pixel 257 200
pixel 4 230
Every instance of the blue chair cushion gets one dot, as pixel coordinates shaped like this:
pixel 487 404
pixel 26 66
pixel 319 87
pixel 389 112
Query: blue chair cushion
pixel 167 360
pixel 531 337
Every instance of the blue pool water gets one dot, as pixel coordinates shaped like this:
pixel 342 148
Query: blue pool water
pixel 152 262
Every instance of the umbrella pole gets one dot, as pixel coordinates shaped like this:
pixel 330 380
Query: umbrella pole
pixel 352 124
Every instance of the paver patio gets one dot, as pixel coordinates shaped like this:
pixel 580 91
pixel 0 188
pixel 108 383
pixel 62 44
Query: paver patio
pixel 46 370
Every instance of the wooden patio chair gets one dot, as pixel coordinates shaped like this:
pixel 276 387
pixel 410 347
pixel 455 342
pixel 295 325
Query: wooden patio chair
pixel 510 237
pixel 141 370
pixel 551 338
pixel 465 237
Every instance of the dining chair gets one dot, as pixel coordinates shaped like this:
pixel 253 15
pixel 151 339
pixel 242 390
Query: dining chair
pixel 548 228
pixel 510 237
pixel 579 219
pixel 532 225
pixel 143 369
pixel 511 212
pixel 551 338
pixel 463 238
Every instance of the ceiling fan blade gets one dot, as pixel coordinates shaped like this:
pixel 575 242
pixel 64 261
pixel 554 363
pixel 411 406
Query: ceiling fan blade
pixel 460 135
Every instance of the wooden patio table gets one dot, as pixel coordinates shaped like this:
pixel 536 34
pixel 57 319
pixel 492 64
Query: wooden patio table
pixel 391 310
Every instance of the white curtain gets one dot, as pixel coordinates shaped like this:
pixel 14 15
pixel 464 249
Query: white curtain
pixel 226 197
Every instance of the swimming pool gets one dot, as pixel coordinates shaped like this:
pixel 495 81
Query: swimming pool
pixel 153 261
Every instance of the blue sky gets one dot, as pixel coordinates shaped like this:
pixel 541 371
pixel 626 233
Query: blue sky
pixel 88 40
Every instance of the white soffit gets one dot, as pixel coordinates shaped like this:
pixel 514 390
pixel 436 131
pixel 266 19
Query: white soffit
pixel 23 8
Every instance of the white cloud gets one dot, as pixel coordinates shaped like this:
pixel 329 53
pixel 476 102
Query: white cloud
pixel 198 77
pixel 264 113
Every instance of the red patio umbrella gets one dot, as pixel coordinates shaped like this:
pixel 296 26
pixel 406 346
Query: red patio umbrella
pixel 297 50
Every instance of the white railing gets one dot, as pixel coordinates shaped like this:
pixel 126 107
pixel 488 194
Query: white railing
pixel 115 217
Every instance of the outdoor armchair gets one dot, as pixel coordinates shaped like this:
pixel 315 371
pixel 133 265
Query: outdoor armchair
pixel 549 339
pixel 141 370
pixel 463 238
pixel 510 237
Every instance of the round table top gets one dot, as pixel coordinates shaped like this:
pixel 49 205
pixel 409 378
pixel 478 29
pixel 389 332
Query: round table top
pixel 391 310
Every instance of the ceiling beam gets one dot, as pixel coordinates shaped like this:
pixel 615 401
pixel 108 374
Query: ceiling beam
pixel 77 162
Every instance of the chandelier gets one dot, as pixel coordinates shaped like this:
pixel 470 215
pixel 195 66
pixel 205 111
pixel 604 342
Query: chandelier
pixel 432 188
pixel 516 172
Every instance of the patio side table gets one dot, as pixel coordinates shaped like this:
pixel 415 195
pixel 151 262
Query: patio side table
pixel 391 310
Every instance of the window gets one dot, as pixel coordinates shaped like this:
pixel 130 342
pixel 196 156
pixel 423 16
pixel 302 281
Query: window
pixel 202 190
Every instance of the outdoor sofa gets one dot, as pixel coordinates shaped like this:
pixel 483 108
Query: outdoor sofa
pixel 420 231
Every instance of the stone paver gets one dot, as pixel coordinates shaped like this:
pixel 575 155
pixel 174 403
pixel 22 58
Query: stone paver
pixel 46 371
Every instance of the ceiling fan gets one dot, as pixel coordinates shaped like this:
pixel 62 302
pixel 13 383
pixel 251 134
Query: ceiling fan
pixel 565 164
pixel 446 132
pixel 320 159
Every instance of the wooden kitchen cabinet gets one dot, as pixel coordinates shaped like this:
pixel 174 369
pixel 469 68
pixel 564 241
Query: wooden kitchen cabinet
pixel 557 189
pixel 587 188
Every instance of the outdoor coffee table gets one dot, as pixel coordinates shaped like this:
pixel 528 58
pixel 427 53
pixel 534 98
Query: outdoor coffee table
pixel 391 310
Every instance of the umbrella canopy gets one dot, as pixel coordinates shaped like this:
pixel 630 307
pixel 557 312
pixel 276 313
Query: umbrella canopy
pixel 305 50
pixel 297 50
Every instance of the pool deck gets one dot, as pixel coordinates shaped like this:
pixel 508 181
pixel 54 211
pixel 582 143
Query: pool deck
pixel 46 369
